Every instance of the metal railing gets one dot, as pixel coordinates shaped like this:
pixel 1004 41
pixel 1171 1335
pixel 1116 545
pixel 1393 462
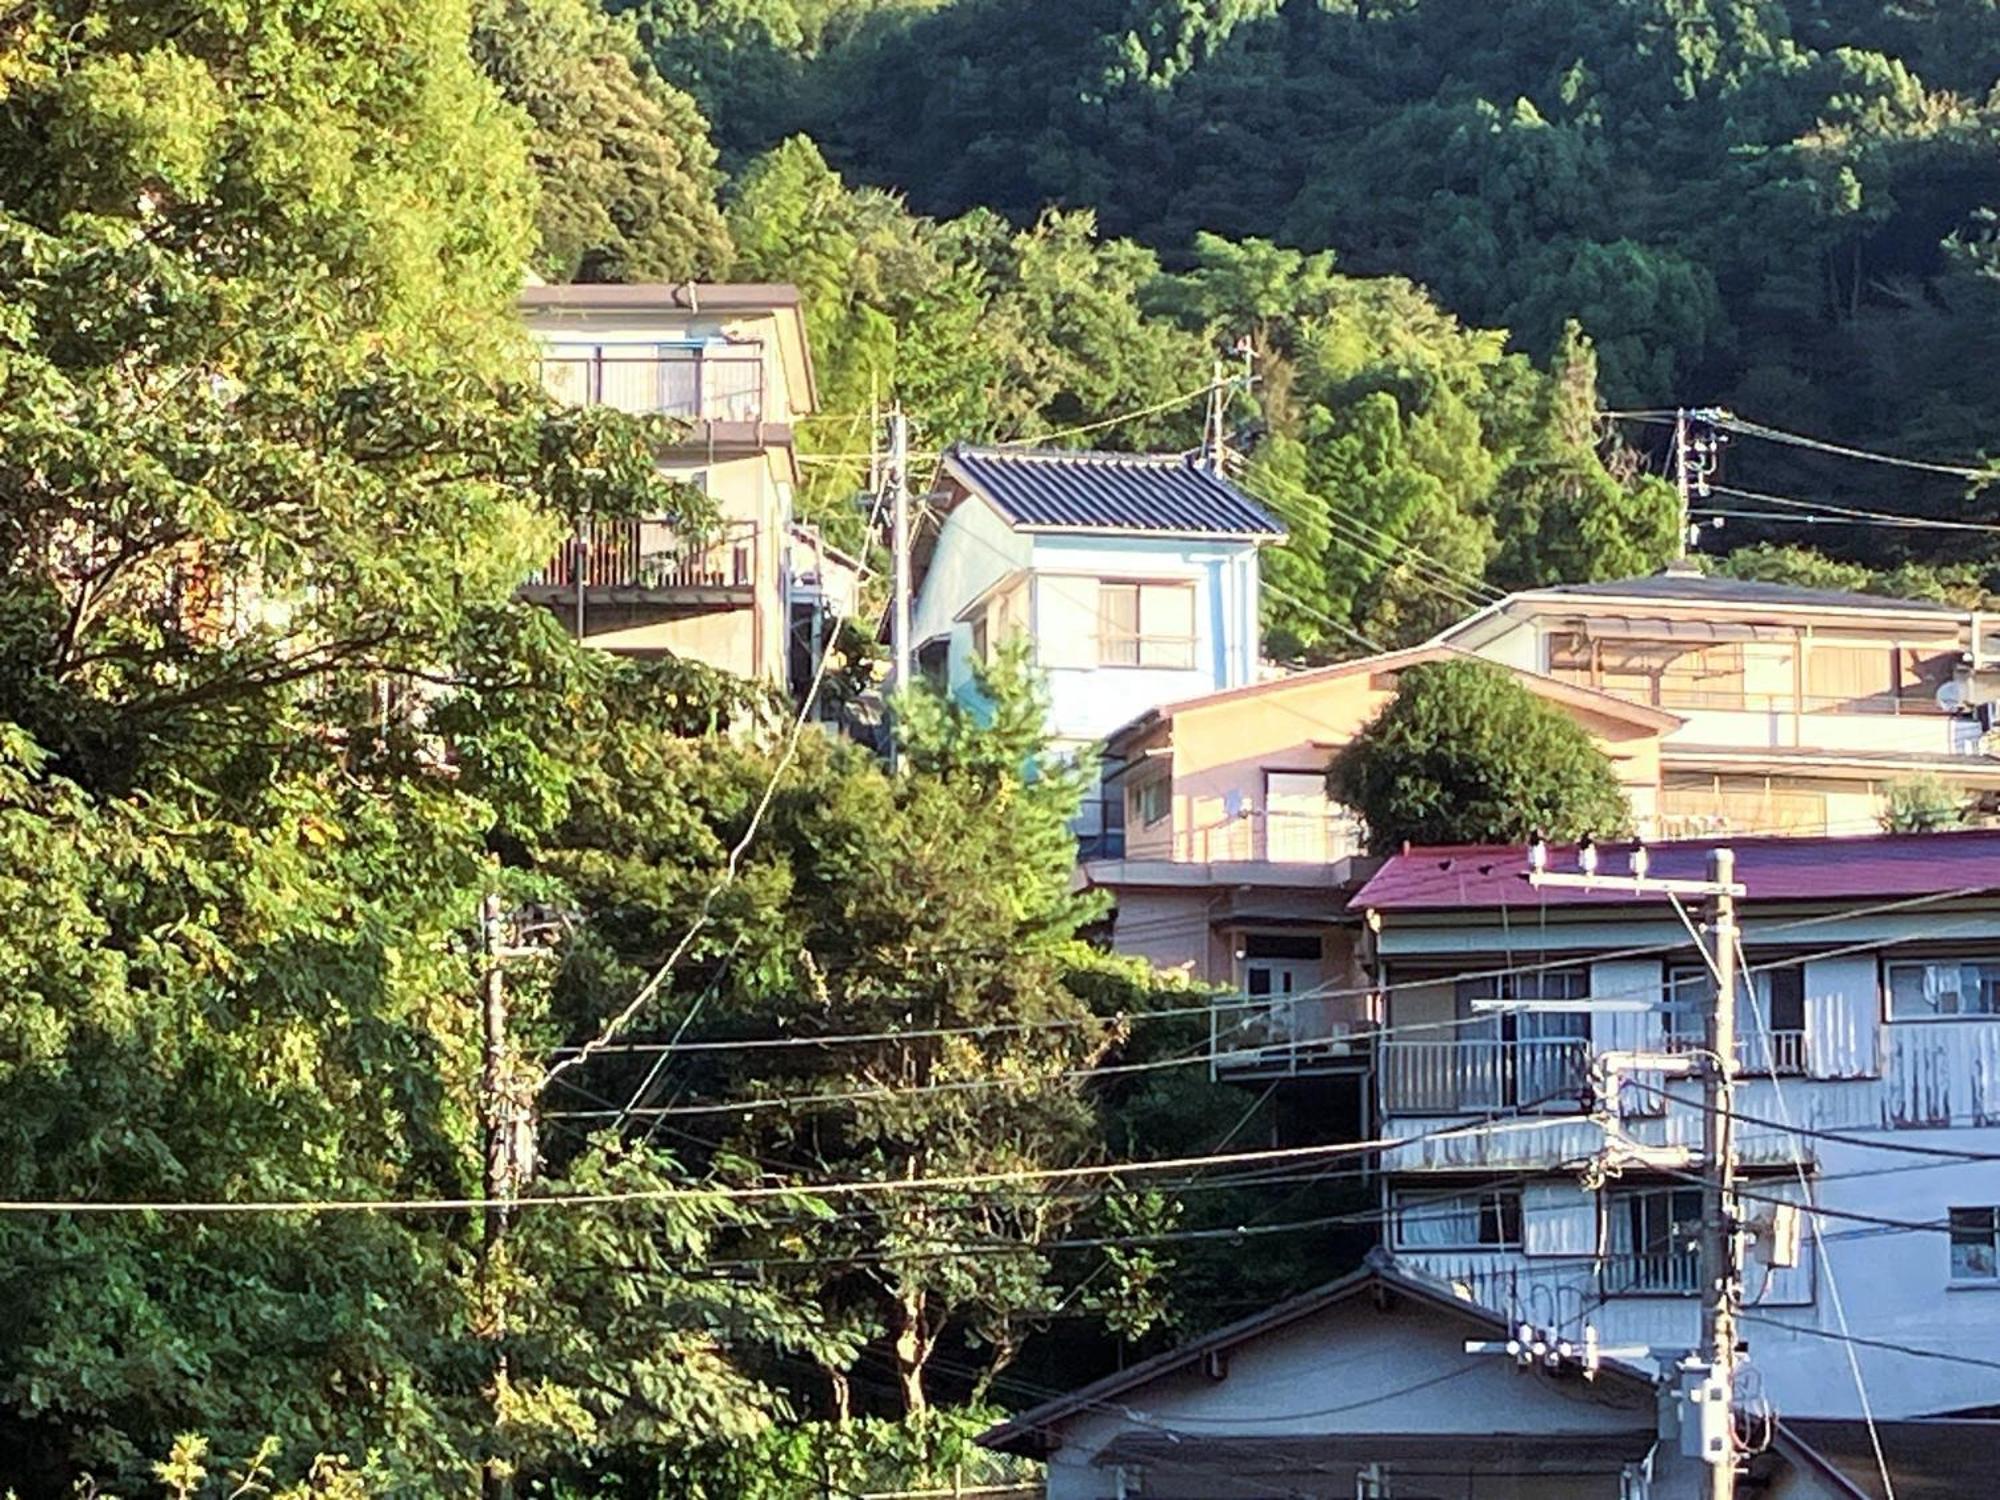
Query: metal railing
pixel 1669 1273
pixel 1446 1078
pixel 1279 837
pixel 1782 1053
pixel 692 386
pixel 1293 1034
pixel 652 555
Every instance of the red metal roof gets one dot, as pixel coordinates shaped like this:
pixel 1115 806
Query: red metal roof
pixel 1771 869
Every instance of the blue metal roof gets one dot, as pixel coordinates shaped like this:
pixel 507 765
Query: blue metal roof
pixel 1040 489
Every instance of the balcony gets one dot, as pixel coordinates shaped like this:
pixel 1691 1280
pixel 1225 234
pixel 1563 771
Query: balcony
pixel 1283 838
pixel 642 563
pixel 1293 1037
pixel 688 384
pixel 1666 1273
pixel 1761 1054
pixel 1473 1077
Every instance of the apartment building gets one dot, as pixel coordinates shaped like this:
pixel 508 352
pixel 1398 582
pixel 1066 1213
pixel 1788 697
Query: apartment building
pixel 731 364
pixel 1868 1093
pixel 1799 706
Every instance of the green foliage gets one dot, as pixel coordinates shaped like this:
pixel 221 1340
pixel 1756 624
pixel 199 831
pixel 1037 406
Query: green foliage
pixel 1463 754
pixel 1782 206
pixel 627 171
pixel 937 899
pixel 1923 803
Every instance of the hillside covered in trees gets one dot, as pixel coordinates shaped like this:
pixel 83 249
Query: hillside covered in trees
pixel 1452 232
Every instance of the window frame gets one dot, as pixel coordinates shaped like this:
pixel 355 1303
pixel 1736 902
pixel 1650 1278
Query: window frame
pixel 1888 982
pixel 1145 649
pixel 1501 1207
pixel 1990 1231
pixel 1143 789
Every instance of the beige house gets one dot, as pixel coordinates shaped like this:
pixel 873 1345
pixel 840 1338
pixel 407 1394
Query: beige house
pixel 1798 706
pixel 1237 867
pixel 730 361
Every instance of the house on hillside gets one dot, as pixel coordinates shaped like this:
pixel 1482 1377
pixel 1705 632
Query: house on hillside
pixel 1867 1105
pixel 1365 1388
pixel 731 362
pixel 1132 578
pixel 1236 866
pixel 1798 705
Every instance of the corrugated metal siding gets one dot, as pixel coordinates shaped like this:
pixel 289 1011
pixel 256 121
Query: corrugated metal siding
pixel 1941 1073
pixel 1111 492
pixel 1843 1010
pixel 1631 1031
pixel 1558 1218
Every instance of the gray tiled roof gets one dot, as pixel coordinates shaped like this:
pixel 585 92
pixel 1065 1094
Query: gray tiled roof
pixel 1043 489
pixel 1699 587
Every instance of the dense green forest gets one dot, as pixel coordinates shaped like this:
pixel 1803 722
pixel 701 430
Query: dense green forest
pixel 1784 209
pixel 273 727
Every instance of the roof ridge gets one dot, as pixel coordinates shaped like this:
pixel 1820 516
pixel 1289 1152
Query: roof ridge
pixel 1074 455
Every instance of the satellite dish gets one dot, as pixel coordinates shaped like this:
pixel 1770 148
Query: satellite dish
pixel 1951 695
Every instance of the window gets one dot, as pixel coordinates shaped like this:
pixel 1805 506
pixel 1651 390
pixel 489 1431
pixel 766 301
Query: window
pixel 1941 989
pixel 1655 1235
pixel 1771 1039
pixel 1975 1244
pixel 1485 1220
pixel 982 645
pixel 1526 1058
pixel 1145 625
pixel 1152 800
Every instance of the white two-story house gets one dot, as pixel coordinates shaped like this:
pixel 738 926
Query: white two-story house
pixel 1798 706
pixel 1132 577
pixel 730 363
pixel 1868 1097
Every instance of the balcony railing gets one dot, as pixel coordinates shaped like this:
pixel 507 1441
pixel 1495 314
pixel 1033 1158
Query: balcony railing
pixel 691 386
pixel 1290 1036
pixel 1279 837
pixel 1780 1053
pixel 1462 1077
pixel 1667 1273
pixel 653 557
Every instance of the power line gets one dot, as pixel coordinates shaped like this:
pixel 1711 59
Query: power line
pixel 658 979
pixel 1819 1243
pixel 861 1187
pixel 1858 515
pixel 1731 423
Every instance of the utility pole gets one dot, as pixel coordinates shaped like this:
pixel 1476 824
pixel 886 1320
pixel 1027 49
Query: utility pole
pixel 1683 485
pixel 1721 1276
pixel 1215 426
pixel 1707 1376
pixel 1215 423
pixel 495 1481
pixel 898 477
